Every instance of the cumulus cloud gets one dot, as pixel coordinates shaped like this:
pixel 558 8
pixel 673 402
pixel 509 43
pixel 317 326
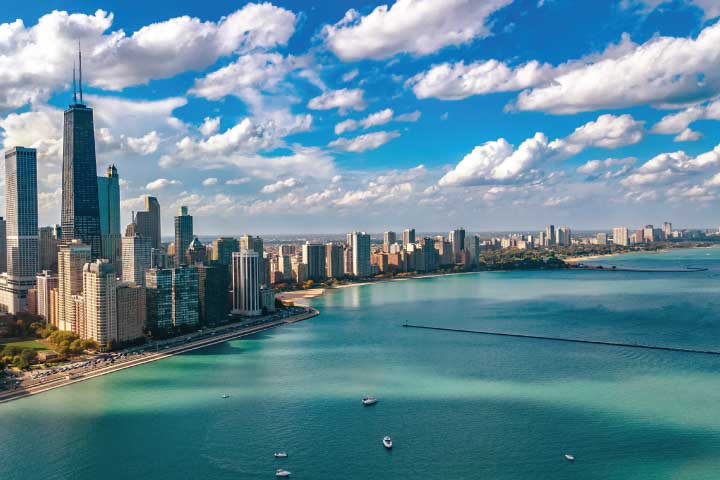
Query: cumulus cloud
pixel 344 99
pixel 209 182
pixel 678 122
pixel 606 169
pixel 350 75
pixel 146 144
pixel 245 137
pixel 672 167
pixel 279 185
pixel 498 162
pixel 160 183
pixel 37 60
pixel 417 27
pixel 238 181
pixel 361 143
pixel 375 119
pixel 210 126
pixel 687 135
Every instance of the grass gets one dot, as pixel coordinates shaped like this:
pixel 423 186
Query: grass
pixel 30 343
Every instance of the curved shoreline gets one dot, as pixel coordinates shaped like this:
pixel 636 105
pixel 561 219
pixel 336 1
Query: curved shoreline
pixel 7 396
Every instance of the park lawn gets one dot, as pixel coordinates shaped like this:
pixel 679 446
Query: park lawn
pixel 29 343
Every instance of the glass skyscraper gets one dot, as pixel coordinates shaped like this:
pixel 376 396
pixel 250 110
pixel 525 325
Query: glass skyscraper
pixel 80 205
pixel 183 234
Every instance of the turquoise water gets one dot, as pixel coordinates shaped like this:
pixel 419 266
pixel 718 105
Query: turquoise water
pixel 458 406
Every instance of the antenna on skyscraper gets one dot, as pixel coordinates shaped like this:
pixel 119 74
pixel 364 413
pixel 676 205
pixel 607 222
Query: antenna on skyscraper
pixel 80 61
pixel 74 86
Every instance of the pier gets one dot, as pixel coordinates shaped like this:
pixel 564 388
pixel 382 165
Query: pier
pixel 570 340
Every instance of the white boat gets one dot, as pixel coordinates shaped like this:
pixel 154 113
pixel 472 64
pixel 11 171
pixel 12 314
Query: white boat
pixel 387 442
pixel 281 454
pixel 369 401
pixel 569 457
pixel 225 395
pixel 281 473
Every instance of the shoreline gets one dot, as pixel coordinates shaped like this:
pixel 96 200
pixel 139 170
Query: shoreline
pixel 10 395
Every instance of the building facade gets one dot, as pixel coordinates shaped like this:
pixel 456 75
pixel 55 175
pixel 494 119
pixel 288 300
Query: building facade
pixel 246 283
pixel 131 311
pixel 360 244
pixel 314 257
pixel 136 252
pixel 148 222
pixel 45 282
pixel 183 234
pixel 185 301
pixel 100 298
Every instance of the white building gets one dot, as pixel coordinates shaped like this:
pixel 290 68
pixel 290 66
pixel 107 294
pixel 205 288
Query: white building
pixel 246 283
pixel 621 237
pixel 136 258
pixel 360 245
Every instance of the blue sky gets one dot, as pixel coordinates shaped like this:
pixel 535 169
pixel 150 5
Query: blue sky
pixel 287 117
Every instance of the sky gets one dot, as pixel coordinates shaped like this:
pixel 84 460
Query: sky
pixel 330 116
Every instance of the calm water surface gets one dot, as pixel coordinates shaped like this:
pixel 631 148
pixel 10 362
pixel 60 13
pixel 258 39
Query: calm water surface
pixel 458 406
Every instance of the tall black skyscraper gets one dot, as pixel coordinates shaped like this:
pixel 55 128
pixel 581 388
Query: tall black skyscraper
pixel 80 207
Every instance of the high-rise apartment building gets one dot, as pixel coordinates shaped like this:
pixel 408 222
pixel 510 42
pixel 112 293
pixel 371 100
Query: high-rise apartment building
pixel 620 236
pixel 183 234
pixel 185 301
pixel 457 239
pixel 314 257
pixel 360 244
pixel 3 245
pixel 100 298
pixel 562 236
pixel 148 222
pixel 550 235
pixel 159 298
pixel 334 260
pixel 213 293
pixel 21 228
pixel 667 230
pixel 80 205
pixel 109 201
pixel 131 311
pixel 45 281
pixel 71 259
pixel 408 236
pixel 136 252
pixel 246 283
pixel 248 242
pixel 389 238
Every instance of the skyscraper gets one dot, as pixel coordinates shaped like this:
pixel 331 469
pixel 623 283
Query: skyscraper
pixel 314 257
pixel 100 294
pixel 136 259
pixel 360 244
pixel 620 236
pixel 48 249
pixel 159 297
pixel 21 227
pixel 183 234
pixel 131 311
pixel 388 239
pixel 80 205
pixel 109 205
pixel 562 236
pixel 148 222
pixel 246 283
pixel 213 288
pixel 334 260
pixel 408 236
pixel 457 239
pixel 3 245
pixel 550 235
pixel 71 259
pixel 185 302
pixel 223 248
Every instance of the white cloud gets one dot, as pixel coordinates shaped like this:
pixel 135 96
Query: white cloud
pixel 498 162
pixel 361 143
pixel 344 99
pixel 710 8
pixel 245 137
pixel 672 167
pixel 375 119
pixel 608 131
pixel 417 27
pixel 210 126
pixel 350 75
pixel 680 121
pixel 687 135
pixel 279 185
pixel 144 145
pixel 160 183
pixel 37 60
pixel 238 181
pixel 457 81
pixel 209 182
pixel 606 169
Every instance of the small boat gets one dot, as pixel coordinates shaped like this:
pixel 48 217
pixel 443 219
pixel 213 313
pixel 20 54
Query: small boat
pixel 225 395
pixel 281 473
pixel 569 458
pixel 280 454
pixel 369 401
pixel 387 442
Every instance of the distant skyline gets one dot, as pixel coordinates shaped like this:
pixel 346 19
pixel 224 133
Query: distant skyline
pixel 285 117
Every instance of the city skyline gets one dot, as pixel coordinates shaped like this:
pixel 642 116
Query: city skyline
pixel 296 127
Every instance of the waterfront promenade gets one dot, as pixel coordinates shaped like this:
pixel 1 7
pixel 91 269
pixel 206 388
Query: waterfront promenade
pixel 153 352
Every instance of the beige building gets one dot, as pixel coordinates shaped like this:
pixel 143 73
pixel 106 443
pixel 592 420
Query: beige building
pixel 45 282
pixel 71 259
pixel 100 292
